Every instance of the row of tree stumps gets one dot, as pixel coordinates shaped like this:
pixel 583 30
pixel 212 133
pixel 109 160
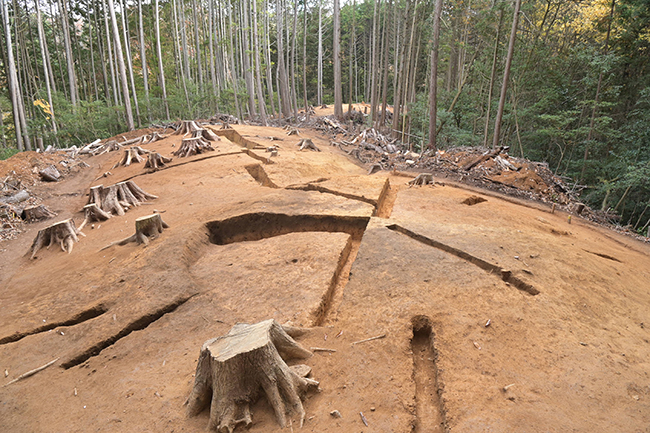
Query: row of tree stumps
pixel 105 202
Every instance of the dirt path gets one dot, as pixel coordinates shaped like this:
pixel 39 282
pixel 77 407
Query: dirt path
pixel 308 238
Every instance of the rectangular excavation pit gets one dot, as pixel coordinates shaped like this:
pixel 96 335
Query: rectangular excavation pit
pixel 262 225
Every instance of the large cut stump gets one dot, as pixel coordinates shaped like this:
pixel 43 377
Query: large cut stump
pixel 233 370
pixel 93 213
pixel 146 227
pixel 193 146
pixel 37 213
pixel 156 137
pixel 156 161
pixel 132 154
pixel 63 233
pixel 117 199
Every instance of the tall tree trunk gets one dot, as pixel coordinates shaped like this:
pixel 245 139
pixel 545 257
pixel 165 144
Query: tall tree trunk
pixel 43 43
pixel 597 97
pixel 72 81
pixel 248 72
pixel 294 98
pixel 161 71
pixel 12 78
pixel 384 92
pixel 199 63
pixel 319 85
pixel 121 67
pixel 433 81
pixel 143 58
pixel 282 72
pixel 211 33
pixel 110 57
pixel 258 69
pixel 129 64
pixel 506 75
pixel 267 52
pixel 373 66
pixel 351 68
pixel 304 59
pixel 233 74
pixel 493 74
pixel 338 97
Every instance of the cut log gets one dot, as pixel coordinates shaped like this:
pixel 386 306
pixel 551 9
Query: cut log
pixel 132 154
pixel 206 134
pixel 156 161
pixel 93 213
pixel 50 174
pixel 233 370
pixel 193 146
pixel 156 137
pixel 37 213
pixel 306 143
pixel 146 227
pixel 422 179
pixel 485 157
pixel 63 233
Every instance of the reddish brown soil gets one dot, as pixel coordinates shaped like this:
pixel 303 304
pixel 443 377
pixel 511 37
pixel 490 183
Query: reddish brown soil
pixel 428 272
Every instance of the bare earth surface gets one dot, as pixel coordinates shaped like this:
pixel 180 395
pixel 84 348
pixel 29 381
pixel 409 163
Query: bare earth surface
pixel 308 238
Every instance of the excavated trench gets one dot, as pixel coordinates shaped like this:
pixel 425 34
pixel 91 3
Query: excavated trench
pixel 78 318
pixel 263 225
pixel 504 274
pixel 429 412
pixel 136 325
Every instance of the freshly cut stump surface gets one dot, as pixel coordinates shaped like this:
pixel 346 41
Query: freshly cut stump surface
pixel 234 369
pixel 146 227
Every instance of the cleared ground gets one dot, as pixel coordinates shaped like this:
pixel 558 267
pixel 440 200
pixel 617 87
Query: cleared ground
pixel 309 238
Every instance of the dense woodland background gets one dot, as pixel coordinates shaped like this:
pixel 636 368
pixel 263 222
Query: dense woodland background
pixel 578 93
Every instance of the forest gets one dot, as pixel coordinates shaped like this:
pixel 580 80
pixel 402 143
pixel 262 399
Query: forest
pixel 565 82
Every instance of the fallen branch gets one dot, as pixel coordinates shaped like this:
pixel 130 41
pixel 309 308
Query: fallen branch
pixel 321 349
pixel 31 372
pixel 369 339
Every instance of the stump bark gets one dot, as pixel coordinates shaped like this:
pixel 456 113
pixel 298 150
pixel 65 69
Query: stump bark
pixel 207 134
pixel 233 370
pixel 93 213
pixel 64 233
pixel 37 213
pixel 132 154
pixel 156 137
pixel 146 227
pixel 422 179
pixel 193 146
pixel 156 161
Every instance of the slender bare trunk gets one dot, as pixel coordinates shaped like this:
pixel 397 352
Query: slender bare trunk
pixel 433 81
pixel 122 68
pixel 319 97
pixel 493 74
pixel 129 64
pixel 338 98
pixel 258 69
pixel 506 75
pixel 68 52
pixel 43 43
pixel 161 71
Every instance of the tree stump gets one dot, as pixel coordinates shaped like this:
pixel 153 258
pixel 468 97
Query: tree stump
pixel 193 146
pixel 93 213
pixel 186 127
pixel 234 369
pixel 63 233
pixel 207 134
pixel 132 154
pixel 156 161
pixel 37 213
pixel 225 125
pixel 146 227
pixel 50 174
pixel 118 198
pixel 156 137
pixel 306 143
pixel 422 179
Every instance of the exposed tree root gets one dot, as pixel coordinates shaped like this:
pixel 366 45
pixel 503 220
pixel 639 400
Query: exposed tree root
pixel 117 199
pixel 233 370
pixel 306 143
pixel 93 213
pixel 132 154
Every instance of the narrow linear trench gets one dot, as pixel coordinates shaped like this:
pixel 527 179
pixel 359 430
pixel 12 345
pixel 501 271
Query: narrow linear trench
pixel 386 200
pixel 429 414
pixel 78 318
pixel 136 325
pixel 334 296
pixel 504 274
